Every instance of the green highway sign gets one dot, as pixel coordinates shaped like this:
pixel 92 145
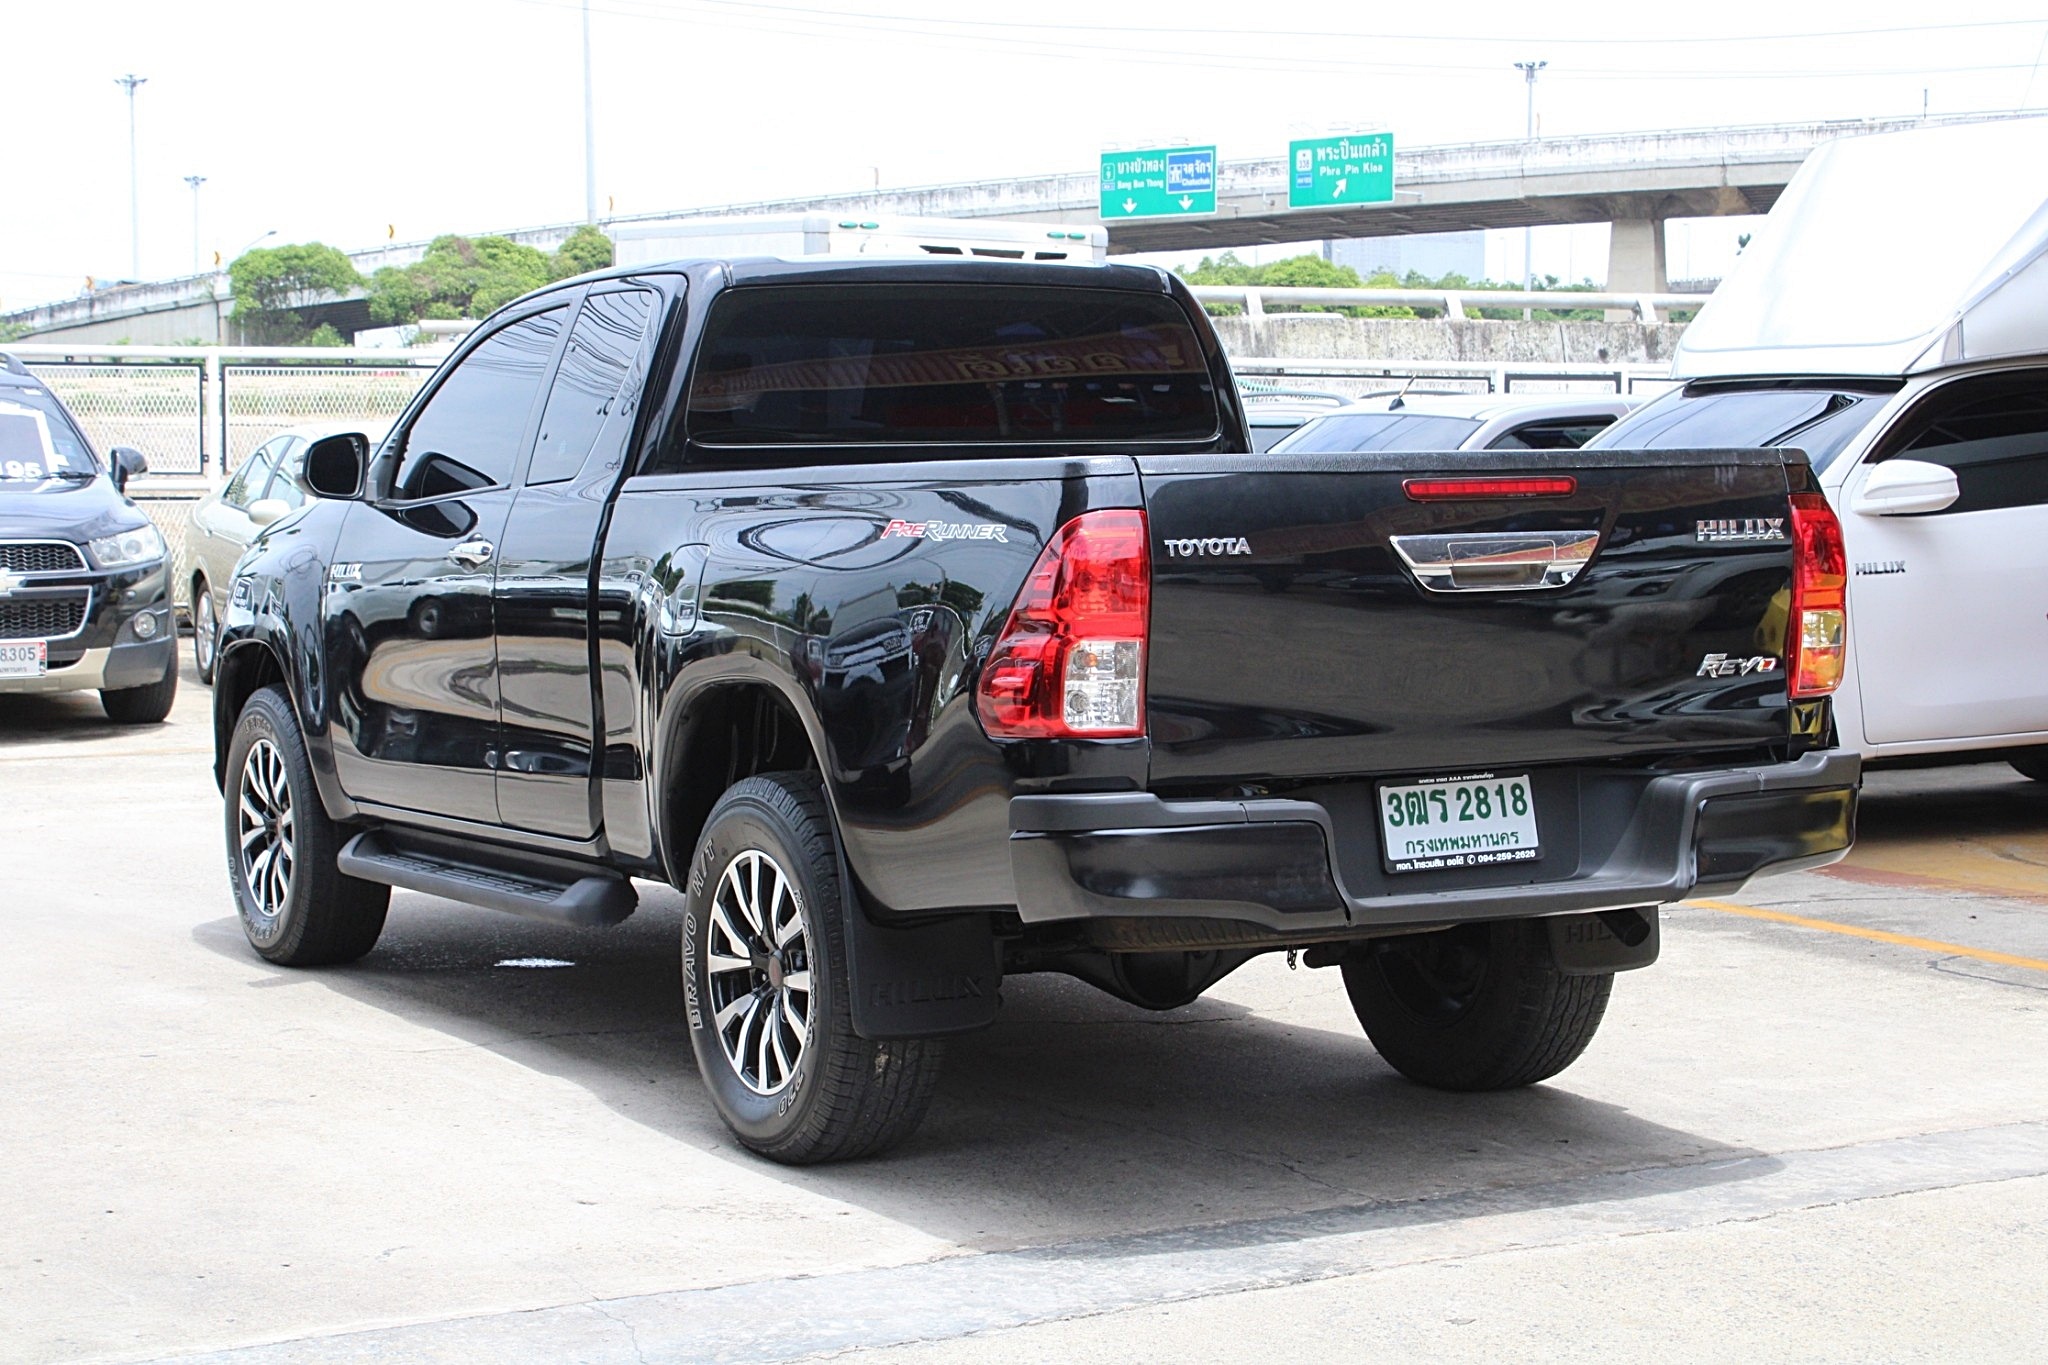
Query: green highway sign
pixel 1358 169
pixel 1164 182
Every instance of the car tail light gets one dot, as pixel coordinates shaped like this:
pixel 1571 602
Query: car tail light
pixel 1819 624
pixel 1467 490
pixel 1070 663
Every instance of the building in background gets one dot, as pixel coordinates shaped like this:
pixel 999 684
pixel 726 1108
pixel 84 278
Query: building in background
pixel 1432 254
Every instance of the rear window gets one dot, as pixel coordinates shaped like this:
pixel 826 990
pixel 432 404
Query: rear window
pixel 946 364
pixel 1817 421
pixel 1377 431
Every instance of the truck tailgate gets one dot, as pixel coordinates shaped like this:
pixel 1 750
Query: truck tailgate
pixel 1322 616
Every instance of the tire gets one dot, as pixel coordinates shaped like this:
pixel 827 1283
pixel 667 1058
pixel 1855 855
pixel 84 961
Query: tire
pixel 2031 763
pixel 145 705
pixel 205 630
pixel 749 938
pixel 296 907
pixel 1476 1007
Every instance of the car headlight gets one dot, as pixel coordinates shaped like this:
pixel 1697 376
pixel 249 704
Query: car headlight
pixel 138 546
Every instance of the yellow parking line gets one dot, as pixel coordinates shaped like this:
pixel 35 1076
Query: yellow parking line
pixel 1927 945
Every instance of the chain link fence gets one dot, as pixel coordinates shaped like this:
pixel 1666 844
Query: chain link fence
pixel 156 407
pixel 263 400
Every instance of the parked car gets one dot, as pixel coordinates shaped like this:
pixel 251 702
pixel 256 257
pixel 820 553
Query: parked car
pixel 1456 421
pixel 1271 412
pixel 1923 408
pixel 264 488
pixel 962 662
pixel 84 582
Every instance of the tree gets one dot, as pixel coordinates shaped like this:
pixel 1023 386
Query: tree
pixel 271 285
pixel 468 277
pixel 587 249
pixel 1306 271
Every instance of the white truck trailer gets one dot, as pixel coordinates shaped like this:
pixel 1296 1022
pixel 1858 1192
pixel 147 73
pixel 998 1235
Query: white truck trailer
pixel 828 234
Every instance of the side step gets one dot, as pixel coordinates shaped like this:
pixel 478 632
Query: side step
pixel 543 889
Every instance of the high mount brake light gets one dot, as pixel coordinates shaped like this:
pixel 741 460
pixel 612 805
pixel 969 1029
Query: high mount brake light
pixel 1469 490
pixel 1818 626
pixel 1070 663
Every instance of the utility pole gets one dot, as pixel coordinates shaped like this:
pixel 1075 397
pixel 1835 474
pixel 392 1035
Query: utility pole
pixel 589 129
pixel 195 181
pixel 1529 70
pixel 129 82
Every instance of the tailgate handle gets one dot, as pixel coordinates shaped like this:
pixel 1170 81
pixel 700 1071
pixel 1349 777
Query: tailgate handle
pixel 1497 561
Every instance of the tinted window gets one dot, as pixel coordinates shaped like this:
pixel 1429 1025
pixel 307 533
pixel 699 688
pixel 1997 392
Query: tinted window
pixel 38 438
pixel 1377 431
pixel 1552 435
pixel 1993 432
pixel 952 364
pixel 589 386
pixel 242 489
pixel 1817 421
pixel 467 437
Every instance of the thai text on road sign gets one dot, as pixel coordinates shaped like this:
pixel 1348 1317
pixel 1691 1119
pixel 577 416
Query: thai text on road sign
pixel 1354 169
pixel 1159 182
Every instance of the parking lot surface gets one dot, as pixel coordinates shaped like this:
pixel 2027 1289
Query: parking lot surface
pixel 1817 1129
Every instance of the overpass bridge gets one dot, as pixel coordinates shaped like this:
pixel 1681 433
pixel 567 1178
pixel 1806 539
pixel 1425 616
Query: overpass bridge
pixel 1634 181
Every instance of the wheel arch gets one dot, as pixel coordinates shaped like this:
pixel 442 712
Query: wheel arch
pixel 716 735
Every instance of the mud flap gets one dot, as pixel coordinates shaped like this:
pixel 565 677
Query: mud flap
pixel 1607 941
pixel 921 981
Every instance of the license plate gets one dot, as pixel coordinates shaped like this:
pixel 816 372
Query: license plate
pixel 24 658
pixel 1471 821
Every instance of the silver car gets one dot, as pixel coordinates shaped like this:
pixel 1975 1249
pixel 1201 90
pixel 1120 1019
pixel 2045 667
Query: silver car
pixel 263 488
pixel 1440 421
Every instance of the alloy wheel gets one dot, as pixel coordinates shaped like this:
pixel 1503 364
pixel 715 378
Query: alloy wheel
pixel 758 968
pixel 263 826
pixel 205 630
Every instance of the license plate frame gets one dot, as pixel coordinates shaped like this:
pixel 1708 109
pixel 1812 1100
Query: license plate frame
pixel 1432 824
pixel 24 658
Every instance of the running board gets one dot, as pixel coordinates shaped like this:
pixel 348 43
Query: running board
pixel 546 889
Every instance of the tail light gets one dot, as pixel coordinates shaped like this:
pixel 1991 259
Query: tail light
pixel 1819 624
pixel 1070 663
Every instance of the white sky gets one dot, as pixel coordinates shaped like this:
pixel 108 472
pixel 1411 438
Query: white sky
pixel 336 121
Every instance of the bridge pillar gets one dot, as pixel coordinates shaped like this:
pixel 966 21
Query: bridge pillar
pixel 1635 260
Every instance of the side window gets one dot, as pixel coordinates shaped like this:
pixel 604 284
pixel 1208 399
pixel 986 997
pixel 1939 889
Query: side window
pixel 1993 432
pixel 284 485
pixel 1563 435
pixel 249 479
pixel 467 436
pixel 595 385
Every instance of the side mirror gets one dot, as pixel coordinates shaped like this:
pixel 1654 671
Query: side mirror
pixel 335 466
pixel 124 463
pixel 263 511
pixel 1897 487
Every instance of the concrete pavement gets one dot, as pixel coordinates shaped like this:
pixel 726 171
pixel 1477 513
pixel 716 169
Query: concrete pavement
pixel 1787 1142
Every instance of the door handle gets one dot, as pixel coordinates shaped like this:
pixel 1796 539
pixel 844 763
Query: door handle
pixel 472 554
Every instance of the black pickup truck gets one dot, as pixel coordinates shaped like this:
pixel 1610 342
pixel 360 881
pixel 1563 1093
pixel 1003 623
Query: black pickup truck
pixel 931 622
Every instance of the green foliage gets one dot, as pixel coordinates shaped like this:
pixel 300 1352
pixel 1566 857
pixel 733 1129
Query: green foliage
pixel 1296 272
pixel 468 277
pixel 13 331
pixel 587 249
pixel 1313 272
pixel 271 285
pixel 324 335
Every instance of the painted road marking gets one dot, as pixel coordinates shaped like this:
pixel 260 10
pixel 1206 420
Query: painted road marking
pixel 1925 945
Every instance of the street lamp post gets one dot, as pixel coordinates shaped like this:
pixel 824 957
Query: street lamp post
pixel 195 181
pixel 589 129
pixel 1529 70
pixel 129 82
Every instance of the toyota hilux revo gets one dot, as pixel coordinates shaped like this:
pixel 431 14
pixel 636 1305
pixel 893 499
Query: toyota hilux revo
pixel 926 623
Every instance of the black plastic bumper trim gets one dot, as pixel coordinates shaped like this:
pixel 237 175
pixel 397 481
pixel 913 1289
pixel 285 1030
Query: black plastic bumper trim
pixel 1269 862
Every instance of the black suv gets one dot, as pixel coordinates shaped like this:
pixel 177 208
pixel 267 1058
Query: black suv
pixel 84 582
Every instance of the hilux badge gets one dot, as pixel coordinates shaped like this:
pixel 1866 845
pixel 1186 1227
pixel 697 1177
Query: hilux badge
pixel 1724 530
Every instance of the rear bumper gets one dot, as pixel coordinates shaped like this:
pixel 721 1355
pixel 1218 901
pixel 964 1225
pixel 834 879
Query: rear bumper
pixel 1279 865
